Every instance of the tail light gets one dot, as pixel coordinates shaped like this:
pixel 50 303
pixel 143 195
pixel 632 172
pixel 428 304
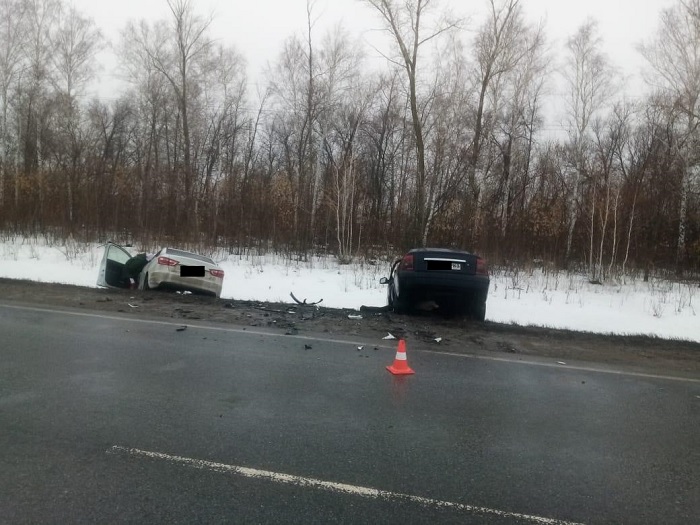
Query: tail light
pixel 217 273
pixel 481 268
pixel 407 263
pixel 167 261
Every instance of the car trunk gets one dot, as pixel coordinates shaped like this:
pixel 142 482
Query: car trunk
pixel 444 262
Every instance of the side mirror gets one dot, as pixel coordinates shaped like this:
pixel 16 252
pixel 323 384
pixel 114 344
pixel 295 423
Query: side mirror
pixel 383 280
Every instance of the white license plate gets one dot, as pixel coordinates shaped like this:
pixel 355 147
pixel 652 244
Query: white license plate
pixel 456 266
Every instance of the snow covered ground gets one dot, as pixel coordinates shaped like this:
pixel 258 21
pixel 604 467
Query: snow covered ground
pixel 558 300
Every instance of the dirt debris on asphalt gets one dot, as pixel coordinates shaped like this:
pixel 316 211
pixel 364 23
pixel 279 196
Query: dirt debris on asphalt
pixel 456 334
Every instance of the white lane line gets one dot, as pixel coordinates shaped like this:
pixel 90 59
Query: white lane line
pixel 342 488
pixel 355 343
pixel 170 323
pixel 579 368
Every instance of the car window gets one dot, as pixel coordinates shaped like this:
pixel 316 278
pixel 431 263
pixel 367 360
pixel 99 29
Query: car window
pixel 117 254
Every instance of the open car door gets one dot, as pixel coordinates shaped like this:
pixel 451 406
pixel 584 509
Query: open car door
pixel 111 273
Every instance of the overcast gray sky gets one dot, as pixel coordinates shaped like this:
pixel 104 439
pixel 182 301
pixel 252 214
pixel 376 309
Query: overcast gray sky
pixel 258 27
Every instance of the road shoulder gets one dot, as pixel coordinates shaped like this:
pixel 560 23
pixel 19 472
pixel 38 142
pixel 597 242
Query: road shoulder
pixel 427 332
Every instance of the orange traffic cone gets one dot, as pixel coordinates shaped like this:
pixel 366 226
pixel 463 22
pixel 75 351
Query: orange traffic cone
pixel 400 366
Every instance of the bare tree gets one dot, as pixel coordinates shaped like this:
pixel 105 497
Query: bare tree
pixel 34 110
pixel 499 46
pixel 447 136
pixel 289 89
pixel 609 138
pixel 404 22
pixel 12 38
pixel 315 144
pixel 74 43
pixel 383 137
pixel 111 126
pixel 589 81
pixel 151 94
pixel 516 99
pixel 219 143
pixel 308 83
pixel 179 53
pixel 344 99
pixel 192 42
pixel 346 119
pixel 646 147
pixel 674 56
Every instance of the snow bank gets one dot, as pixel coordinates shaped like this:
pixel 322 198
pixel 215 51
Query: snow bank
pixel 557 300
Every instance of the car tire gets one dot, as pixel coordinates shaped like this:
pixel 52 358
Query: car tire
pixel 478 310
pixel 145 283
pixel 396 303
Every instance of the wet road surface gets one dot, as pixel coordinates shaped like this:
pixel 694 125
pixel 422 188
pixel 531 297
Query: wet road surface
pixel 105 419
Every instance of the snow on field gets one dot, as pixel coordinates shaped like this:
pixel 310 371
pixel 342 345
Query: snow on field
pixel 558 300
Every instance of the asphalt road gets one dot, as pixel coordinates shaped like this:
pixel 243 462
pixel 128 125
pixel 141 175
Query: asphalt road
pixel 106 420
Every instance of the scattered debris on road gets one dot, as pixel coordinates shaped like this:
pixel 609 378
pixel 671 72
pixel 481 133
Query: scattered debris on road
pixel 461 333
pixel 437 339
pixel 304 303
pixel 266 309
pixel 354 317
pixel 133 305
pixel 389 336
pixel 375 309
pixel 181 329
pixel 506 347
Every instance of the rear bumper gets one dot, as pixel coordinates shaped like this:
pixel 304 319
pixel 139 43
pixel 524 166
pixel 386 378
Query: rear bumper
pixel 169 279
pixel 433 285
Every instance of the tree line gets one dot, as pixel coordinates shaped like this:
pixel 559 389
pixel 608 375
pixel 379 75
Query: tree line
pixel 446 145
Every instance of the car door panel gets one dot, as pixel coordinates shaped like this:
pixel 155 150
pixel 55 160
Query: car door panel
pixel 111 273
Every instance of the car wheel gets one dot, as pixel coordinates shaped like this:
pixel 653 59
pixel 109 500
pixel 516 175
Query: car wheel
pixel 396 303
pixel 145 283
pixel 400 307
pixel 478 310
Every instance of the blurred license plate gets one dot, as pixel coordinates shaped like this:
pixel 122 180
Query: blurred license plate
pixel 191 271
pixel 456 266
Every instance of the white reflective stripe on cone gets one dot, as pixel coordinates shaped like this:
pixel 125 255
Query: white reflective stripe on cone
pixel 401 356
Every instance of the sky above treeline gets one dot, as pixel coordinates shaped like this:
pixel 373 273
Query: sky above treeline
pixel 258 28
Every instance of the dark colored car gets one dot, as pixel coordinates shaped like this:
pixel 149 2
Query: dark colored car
pixel 450 278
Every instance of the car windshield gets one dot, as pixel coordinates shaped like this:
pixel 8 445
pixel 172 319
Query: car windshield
pixel 191 255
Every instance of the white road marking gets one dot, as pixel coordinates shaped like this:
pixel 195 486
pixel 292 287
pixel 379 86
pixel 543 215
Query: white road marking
pixel 580 368
pixel 331 486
